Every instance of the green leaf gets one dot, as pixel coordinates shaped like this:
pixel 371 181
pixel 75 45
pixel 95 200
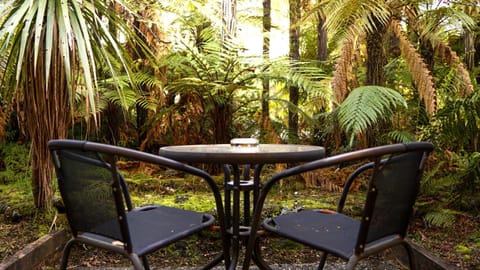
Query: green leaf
pixel 38 29
pixel 29 16
pixel 49 41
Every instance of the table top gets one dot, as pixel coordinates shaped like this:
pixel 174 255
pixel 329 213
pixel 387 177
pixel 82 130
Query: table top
pixel 227 154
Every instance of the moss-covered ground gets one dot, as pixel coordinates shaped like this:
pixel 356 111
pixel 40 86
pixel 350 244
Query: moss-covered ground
pixel 20 223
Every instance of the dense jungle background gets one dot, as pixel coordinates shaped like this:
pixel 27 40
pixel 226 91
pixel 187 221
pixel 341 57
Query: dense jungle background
pixel 344 74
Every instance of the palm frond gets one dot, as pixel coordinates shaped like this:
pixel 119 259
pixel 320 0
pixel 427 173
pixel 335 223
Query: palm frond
pixel 66 27
pixel 367 105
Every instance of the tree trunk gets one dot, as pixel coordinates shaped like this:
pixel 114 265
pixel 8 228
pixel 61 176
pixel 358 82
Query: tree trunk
pixel 267 26
pixel 376 58
pixel 469 43
pixel 322 52
pixel 229 18
pixel 294 37
pixel 142 113
pixel 113 111
pixel 45 118
pixel 222 120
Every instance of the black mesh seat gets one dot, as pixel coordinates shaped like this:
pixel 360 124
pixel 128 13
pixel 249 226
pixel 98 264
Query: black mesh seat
pixel 394 172
pixel 99 209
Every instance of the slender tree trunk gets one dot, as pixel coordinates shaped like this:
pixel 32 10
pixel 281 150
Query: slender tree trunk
pixel 294 6
pixel 113 111
pixel 142 113
pixel 469 43
pixel 267 26
pixel 322 52
pixel 470 39
pixel 229 18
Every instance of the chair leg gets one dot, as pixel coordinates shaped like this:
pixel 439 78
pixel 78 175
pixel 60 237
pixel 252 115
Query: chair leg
pixel 322 261
pixel 66 254
pixel 137 264
pixel 411 262
pixel 146 265
pixel 352 262
pixel 257 256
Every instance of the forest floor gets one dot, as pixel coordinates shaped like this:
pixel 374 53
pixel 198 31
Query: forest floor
pixel 457 244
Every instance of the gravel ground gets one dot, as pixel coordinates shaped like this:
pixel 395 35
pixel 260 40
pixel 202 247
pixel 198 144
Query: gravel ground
pixel 362 265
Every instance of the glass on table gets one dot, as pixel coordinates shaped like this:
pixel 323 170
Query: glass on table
pixel 244 144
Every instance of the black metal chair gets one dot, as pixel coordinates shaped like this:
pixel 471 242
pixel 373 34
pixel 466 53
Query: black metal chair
pixel 99 209
pixel 394 171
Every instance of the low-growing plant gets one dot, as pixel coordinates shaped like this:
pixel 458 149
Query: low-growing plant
pixel 15 164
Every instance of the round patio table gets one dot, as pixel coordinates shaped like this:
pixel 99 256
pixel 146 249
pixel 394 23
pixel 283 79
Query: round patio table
pixel 233 156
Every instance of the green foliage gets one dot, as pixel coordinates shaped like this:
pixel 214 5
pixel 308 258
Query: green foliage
pixel 223 77
pixel 15 164
pixel 456 126
pixel 366 106
pixel 466 189
pixel 451 181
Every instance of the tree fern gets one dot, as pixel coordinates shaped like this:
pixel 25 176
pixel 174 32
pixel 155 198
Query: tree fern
pixel 366 106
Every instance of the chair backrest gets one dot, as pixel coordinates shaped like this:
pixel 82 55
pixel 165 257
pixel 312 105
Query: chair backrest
pixel 93 192
pixel 391 194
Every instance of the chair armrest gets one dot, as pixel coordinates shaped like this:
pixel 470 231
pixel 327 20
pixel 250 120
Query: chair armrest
pixel 144 208
pixel 351 178
pixel 348 184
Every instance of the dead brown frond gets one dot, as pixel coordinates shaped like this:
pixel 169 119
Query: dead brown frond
pixel 343 75
pixel 182 121
pixel 446 53
pixel 421 75
pixel 320 181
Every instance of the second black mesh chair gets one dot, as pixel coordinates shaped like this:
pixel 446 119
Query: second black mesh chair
pixel 394 171
pixel 99 209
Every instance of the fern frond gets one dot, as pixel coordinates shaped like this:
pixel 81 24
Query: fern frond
pixel 367 105
pixel 401 136
pixel 441 217
pixel 302 74
pixel 349 17
pixel 420 73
